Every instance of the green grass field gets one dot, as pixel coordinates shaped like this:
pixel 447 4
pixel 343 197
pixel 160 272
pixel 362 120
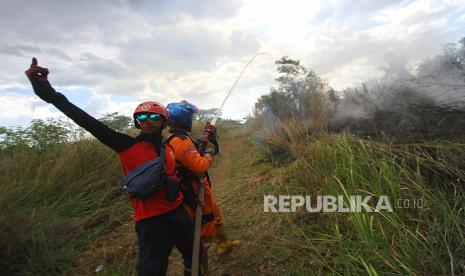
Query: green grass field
pixel 63 213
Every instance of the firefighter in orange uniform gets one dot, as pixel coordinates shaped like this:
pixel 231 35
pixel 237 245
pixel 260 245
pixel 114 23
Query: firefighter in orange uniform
pixel 191 164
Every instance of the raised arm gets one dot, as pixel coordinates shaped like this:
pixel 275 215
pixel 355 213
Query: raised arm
pixel 38 76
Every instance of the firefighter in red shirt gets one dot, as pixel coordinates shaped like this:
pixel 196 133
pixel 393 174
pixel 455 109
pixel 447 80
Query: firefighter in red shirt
pixel 161 220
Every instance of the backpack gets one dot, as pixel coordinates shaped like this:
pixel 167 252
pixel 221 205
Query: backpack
pixel 185 177
pixel 149 178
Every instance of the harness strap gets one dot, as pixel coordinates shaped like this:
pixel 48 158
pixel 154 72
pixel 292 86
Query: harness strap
pixel 207 218
pixel 185 177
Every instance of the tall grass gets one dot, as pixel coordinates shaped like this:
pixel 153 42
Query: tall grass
pixel 418 240
pixel 54 203
pixel 58 205
pixel 62 210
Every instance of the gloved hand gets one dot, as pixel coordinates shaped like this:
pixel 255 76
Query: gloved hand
pixel 38 77
pixel 211 130
pixel 210 149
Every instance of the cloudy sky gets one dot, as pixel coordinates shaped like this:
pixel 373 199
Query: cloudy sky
pixel 107 56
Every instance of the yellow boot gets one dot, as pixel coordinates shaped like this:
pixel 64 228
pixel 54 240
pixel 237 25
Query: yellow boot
pixel 224 245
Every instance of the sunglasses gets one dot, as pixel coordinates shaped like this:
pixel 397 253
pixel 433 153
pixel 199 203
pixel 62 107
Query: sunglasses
pixel 152 116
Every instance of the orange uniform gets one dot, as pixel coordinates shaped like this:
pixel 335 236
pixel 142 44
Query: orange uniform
pixel 190 164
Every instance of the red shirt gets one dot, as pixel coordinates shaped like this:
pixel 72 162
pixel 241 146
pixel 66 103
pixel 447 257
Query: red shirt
pixel 132 152
pixel 157 204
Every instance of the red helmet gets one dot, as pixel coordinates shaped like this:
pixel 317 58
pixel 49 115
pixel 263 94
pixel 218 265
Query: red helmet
pixel 150 107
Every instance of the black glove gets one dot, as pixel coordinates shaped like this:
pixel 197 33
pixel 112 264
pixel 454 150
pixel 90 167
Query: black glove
pixel 212 140
pixel 211 129
pixel 210 149
pixel 38 77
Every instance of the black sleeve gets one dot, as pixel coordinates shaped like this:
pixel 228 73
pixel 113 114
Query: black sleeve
pixel 111 138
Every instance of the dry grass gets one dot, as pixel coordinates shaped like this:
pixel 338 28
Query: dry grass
pixel 413 241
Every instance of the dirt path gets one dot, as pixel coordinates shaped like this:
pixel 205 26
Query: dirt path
pixel 235 182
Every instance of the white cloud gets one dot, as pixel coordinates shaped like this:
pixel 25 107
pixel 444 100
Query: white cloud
pixel 20 109
pixel 102 104
pixel 194 50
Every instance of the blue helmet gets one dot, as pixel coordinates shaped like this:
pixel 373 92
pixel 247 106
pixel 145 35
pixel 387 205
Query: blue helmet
pixel 180 115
